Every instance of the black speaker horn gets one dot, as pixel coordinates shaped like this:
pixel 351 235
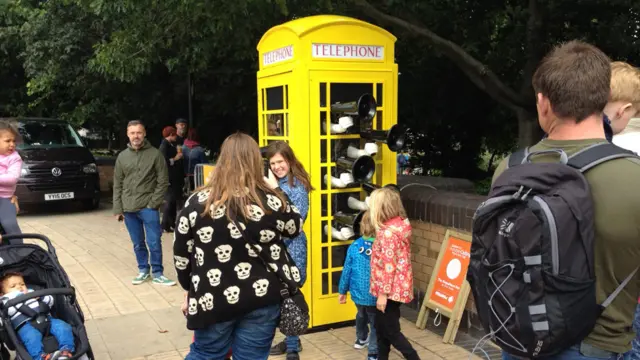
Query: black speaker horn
pixel 350 220
pixel 394 137
pixel 365 107
pixel 362 168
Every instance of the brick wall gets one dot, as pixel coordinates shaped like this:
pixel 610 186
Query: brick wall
pixel 432 211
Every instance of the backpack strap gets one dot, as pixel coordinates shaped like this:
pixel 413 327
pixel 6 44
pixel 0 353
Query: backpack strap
pixel 517 157
pixel 617 291
pixel 597 154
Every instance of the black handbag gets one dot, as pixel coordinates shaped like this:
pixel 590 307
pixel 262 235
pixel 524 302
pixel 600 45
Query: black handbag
pixel 294 310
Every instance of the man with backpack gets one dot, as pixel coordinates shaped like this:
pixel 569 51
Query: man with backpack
pixel 556 245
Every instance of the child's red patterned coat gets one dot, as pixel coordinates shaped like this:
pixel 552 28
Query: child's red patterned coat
pixel 391 271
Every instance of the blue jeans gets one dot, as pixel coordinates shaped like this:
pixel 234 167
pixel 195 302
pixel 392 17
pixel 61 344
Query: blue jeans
pixel 293 342
pixel 9 219
pixel 365 326
pixel 137 223
pixel 634 353
pixel 32 338
pixel 249 337
pixel 579 352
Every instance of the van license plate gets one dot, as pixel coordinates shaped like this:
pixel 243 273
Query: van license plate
pixel 58 196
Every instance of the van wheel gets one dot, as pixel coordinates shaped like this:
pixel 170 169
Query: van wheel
pixel 91 204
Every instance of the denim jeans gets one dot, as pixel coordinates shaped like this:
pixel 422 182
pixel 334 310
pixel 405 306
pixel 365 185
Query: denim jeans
pixel 137 223
pixel 579 352
pixel 365 319
pixel 249 337
pixel 9 219
pixel 32 338
pixel 293 342
pixel 634 353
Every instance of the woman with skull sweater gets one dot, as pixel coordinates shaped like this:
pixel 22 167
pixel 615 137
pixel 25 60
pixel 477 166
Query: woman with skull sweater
pixel 233 297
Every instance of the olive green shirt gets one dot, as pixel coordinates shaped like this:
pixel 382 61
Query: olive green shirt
pixel 140 179
pixel 615 188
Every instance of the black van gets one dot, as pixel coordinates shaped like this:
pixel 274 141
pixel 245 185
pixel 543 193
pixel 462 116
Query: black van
pixel 57 166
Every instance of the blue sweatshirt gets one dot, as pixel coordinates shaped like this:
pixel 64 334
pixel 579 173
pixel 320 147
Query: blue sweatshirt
pixel 356 273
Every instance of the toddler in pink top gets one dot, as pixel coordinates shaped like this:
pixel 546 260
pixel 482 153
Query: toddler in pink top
pixel 10 169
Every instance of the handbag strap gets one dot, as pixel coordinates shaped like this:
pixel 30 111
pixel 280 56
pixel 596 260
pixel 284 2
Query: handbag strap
pixel 284 292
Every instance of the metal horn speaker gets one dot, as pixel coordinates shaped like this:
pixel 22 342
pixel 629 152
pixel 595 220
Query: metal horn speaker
pixel 394 137
pixel 350 220
pixel 362 168
pixel 365 107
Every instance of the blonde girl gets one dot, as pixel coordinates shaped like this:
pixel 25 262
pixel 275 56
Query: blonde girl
pixel 391 273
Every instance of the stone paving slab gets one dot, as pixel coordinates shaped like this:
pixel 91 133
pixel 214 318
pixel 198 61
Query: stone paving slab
pixel 144 322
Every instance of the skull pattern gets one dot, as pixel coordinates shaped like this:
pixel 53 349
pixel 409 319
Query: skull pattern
pixel 234 231
pixel 206 302
pixel 285 269
pixel 203 195
pixel 199 256
pixel 223 252
pixel 295 273
pixel 193 306
pixel 295 209
pixel 195 280
pixel 192 218
pixel 205 234
pixel 255 212
pixel 280 225
pixel 250 248
pixel 218 212
pixel 243 270
pixel 190 243
pixel 275 251
pixel 273 267
pixel 214 276
pixel 273 202
pixel 261 287
pixel 233 294
pixel 266 235
pixel 181 262
pixel 183 225
pixel 291 227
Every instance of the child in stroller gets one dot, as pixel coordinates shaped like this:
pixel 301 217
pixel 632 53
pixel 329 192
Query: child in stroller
pixel 30 317
pixel 42 271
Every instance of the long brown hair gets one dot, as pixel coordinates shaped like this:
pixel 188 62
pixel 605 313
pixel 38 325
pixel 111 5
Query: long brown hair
pixel 296 170
pixel 237 177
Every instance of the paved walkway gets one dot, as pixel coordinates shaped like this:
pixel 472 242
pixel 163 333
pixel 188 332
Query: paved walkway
pixel 144 322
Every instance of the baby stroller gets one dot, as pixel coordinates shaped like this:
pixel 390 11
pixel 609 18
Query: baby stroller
pixel 43 273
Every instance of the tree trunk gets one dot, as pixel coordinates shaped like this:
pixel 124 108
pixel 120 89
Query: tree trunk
pixel 529 131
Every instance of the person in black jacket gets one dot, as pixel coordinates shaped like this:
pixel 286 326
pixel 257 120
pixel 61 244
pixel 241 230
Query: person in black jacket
pixel 173 196
pixel 228 247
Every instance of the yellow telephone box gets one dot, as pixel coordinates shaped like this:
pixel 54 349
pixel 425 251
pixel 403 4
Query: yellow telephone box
pixel 332 82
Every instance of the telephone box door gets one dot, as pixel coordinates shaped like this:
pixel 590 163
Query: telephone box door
pixel 328 254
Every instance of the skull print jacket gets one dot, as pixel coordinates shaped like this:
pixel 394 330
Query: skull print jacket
pixel 225 269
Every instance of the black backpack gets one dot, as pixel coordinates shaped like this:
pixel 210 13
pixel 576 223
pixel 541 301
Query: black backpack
pixel 532 256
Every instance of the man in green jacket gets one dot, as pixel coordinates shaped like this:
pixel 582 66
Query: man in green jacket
pixel 139 182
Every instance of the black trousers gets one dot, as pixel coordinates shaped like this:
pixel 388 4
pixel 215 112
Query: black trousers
pixel 388 331
pixel 172 204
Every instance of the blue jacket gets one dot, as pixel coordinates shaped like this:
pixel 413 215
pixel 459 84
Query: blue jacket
pixel 356 273
pixel 192 157
pixel 297 246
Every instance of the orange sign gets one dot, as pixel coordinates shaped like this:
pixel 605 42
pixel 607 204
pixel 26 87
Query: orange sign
pixel 451 273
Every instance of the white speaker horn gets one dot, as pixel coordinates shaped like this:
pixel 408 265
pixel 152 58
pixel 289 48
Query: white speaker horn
pixel 335 233
pixel 347 232
pixel 356 204
pixel 335 182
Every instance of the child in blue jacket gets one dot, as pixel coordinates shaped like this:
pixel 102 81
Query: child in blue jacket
pixel 355 279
